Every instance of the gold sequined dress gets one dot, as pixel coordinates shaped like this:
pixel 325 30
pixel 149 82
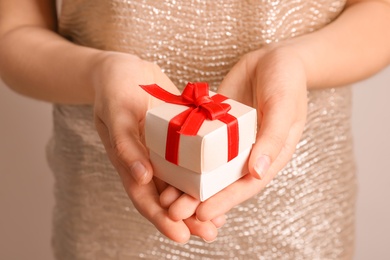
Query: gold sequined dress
pixel 306 212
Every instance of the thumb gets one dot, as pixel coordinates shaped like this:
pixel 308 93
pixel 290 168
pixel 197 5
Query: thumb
pixel 275 120
pixel 122 140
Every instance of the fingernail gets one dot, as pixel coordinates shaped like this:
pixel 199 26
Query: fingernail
pixel 211 241
pixel 138 172
pixel 261 166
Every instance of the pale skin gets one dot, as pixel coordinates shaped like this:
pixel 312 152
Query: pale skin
pixel 37 62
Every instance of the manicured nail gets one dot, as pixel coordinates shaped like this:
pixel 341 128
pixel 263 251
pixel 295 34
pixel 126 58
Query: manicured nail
pixel 138 172
pixel 261 166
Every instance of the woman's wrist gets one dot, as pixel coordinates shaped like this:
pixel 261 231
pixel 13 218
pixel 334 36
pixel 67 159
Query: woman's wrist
pixel 110 68
pixel 300 51
pixel 278 57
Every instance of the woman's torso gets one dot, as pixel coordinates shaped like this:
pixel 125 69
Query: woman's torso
pixel 306 212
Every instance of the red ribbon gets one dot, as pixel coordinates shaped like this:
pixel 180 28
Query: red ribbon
pixel 201 107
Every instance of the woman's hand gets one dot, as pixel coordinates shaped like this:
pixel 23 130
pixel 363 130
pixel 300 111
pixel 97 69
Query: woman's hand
pixel 273 81
pixel 120 106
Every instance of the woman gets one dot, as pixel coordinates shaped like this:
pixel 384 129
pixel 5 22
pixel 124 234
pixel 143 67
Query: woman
pixel 90 62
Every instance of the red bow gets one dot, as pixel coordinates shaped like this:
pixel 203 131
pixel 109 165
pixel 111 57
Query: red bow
pixel 201 107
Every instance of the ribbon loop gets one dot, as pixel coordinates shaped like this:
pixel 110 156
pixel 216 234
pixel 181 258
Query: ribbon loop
pixel 215 110
pixel 201 107
pixel 196 96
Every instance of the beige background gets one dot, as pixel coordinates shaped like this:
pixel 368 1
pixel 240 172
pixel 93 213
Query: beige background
pixel 26 198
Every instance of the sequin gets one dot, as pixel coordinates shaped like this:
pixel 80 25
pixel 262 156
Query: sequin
pixel 306 212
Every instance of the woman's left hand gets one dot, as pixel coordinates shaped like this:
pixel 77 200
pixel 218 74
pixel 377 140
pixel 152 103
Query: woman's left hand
pixel 272 80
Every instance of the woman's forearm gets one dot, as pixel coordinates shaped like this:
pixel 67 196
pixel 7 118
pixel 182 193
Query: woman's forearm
pixel 355 46
pixel 38 63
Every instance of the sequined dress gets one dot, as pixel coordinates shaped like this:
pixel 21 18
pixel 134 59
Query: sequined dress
pixel 306 212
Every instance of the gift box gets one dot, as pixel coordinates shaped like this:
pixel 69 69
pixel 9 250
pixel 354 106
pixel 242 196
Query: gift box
pixel 199 141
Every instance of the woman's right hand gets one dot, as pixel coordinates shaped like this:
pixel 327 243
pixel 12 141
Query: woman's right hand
pixel 120 106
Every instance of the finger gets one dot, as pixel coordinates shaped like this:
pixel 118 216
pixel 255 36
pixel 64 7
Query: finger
pixel 219 221
pixel 175 194
pixel 122 141
pixel 276 120
pixel 146 200
pixel 184 207
pixel 169 195
pixel 248 186
pixel 205 230
pixel 234 194
pixel 287 151
pixel 160 185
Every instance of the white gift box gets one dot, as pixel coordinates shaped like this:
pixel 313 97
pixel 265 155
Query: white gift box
pixel 203 167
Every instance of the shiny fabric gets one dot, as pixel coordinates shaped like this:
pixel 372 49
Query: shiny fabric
pixel 306 212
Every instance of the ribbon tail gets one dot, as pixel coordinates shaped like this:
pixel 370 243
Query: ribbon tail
pixel 173 137
pixel 193 122
pixel 215 110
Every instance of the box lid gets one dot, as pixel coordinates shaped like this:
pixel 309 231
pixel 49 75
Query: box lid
pixel 208 149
